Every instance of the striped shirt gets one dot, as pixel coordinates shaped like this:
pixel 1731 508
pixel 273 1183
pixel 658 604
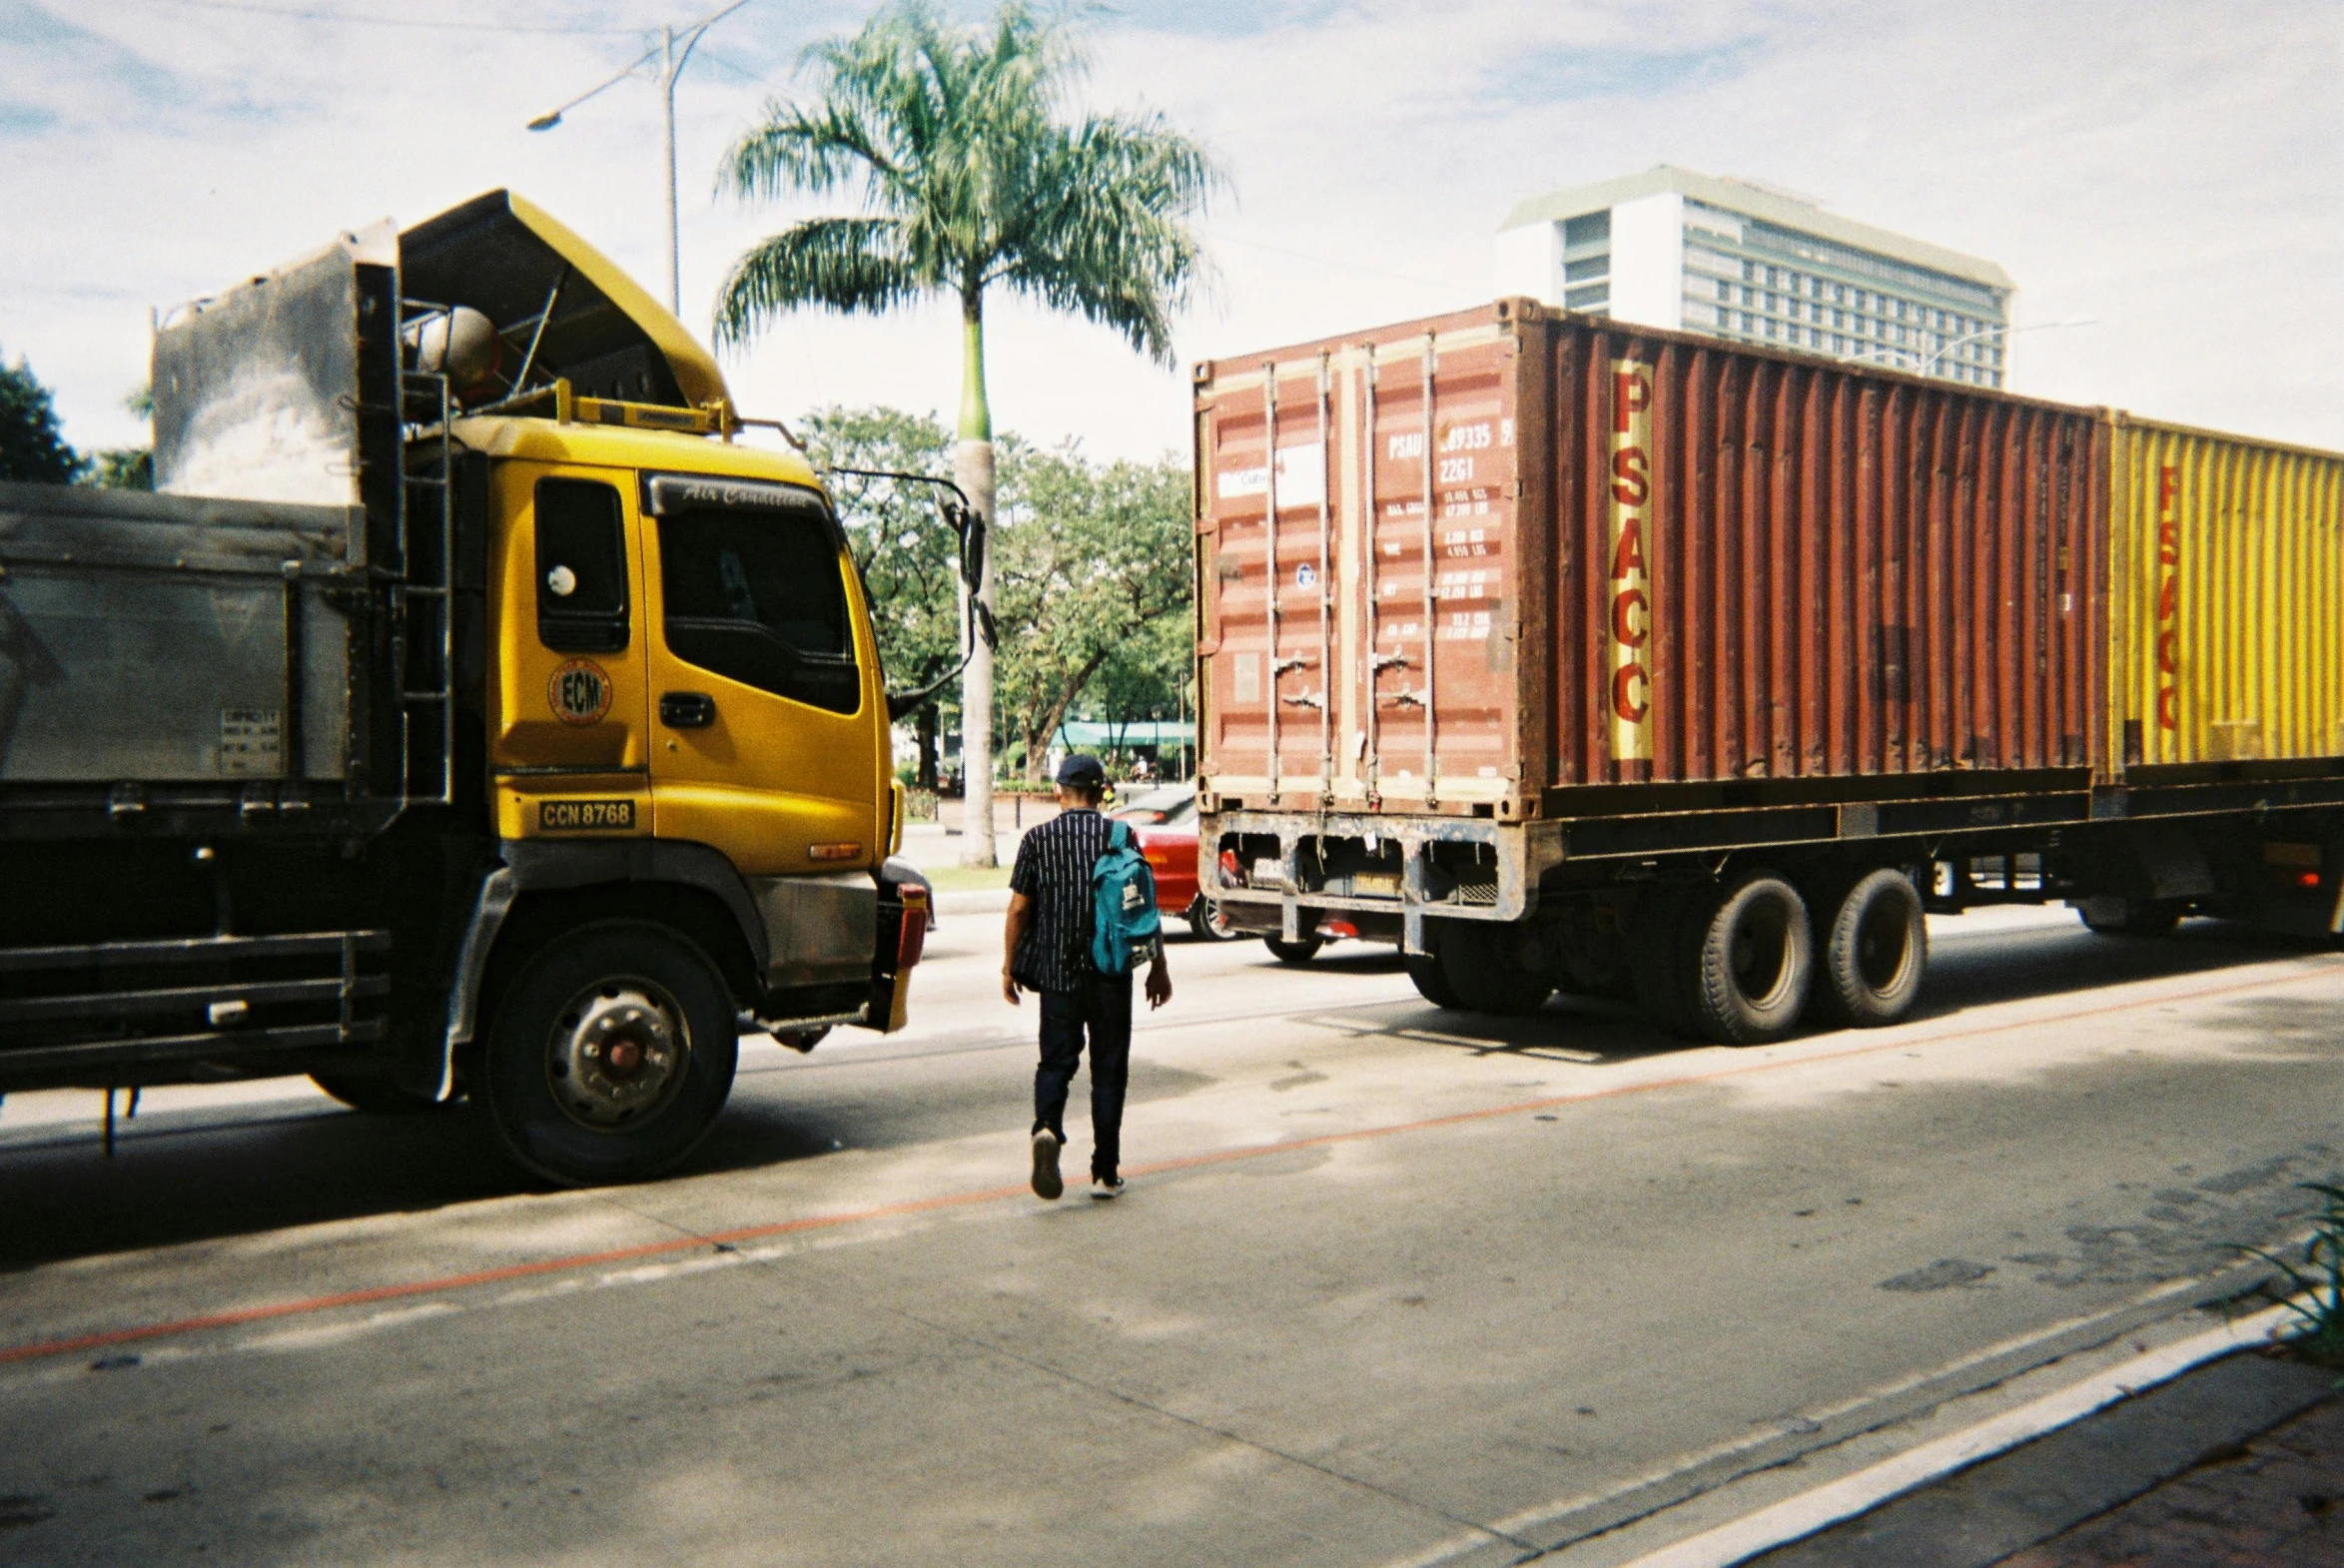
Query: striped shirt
pixel 1054 872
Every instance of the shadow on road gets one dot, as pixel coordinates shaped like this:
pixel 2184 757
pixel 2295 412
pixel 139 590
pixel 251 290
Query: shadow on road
pixel 1966 970
pixel 192 1176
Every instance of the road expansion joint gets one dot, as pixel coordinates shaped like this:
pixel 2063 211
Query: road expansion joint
pixel 1481 1533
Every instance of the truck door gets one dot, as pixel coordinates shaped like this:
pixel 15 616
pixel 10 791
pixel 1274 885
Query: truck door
pixel 570 751
pixel 765 742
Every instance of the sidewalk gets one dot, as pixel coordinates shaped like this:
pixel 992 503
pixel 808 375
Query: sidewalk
pixel 2273 1499
pixel 2238 1463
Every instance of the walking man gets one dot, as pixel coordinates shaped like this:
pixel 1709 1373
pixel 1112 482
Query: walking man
pixel 1046 949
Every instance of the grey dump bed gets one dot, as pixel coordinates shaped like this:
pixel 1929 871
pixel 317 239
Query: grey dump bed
pixel 173 638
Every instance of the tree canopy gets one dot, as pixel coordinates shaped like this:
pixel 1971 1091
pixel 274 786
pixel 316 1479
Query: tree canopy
pixel 32 444
pixel 969 178
pixel 1095 593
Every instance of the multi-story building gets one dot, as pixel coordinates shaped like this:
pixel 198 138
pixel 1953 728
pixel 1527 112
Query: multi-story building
pixel 1670 248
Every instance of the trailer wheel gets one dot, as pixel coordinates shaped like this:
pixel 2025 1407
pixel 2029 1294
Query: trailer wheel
pixel 1431 983
pixel 1875 953
pixel 1478 961
pixel 2132 917
pixel 1660 956
pixel 1298 951
pixel 611 1054
pixel 377 1096
pixel 1752 964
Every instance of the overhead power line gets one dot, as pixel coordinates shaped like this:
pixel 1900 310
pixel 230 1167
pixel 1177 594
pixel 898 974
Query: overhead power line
pixel 405 23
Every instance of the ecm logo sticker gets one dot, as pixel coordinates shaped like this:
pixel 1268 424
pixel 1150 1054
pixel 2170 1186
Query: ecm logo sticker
pixel 580 692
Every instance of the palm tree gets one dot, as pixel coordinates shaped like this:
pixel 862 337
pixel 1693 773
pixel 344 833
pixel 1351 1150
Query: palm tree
pixel 971 179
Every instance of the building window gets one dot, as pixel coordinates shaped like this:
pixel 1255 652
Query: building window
pixel 1593 297
pixel 1592 229
pixel 1591 267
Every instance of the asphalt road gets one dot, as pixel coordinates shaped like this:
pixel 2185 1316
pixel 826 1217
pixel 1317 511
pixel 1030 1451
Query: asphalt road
pixel 1389 1284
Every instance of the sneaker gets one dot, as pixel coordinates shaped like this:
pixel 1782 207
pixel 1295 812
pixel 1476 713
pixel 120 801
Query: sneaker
pixel 1104 1187
pixel 1046 1177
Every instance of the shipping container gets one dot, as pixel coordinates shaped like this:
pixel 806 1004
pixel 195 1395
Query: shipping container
pixel 1537 553
pixel 1537 641
pixel 2228 626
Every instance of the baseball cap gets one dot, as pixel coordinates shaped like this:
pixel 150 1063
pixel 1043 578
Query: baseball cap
pixel 1081 772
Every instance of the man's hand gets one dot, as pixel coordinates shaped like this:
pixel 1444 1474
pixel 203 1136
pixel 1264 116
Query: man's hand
pixel 1013 930
pixel 1158 983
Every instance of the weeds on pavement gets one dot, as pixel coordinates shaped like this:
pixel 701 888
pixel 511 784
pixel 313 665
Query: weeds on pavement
pixel 2315 1285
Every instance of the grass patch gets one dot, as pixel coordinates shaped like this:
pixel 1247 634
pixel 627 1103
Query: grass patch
pixel 968 879
pixel 2314 1291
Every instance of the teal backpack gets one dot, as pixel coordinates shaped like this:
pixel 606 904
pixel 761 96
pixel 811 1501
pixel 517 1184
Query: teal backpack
pixel 1124 927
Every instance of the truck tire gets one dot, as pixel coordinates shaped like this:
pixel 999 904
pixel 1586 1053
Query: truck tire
pixel 1299 952
pixel 1425 974
pixel 377 1096
pixel 1874 953
pixel 2132 917
pixel 1753 958
pixel 1478 961
pixel 1660 956
pixel 1206 921
pixel 611 1053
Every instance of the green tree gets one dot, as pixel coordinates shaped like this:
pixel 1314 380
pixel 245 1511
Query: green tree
pixel 972 178
pixel 1094 578
pixel 909 560
pixel 126 467
pixel 32 447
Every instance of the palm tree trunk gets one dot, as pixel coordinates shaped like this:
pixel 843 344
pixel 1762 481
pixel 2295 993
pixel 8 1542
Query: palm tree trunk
pixel 972 469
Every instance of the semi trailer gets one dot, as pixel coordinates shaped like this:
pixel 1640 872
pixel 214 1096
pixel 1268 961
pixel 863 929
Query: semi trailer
pixel 467 714
pixel 1574 655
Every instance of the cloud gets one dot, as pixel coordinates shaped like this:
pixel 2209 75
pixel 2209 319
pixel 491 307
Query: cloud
pixel 2165 168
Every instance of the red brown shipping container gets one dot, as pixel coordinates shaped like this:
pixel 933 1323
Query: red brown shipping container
pixel 1506 552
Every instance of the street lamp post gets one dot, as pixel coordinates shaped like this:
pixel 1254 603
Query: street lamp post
pixel 671 65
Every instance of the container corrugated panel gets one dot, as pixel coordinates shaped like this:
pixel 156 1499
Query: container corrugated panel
pixel 1358 621
pixel 1512 552
pixel 1775 566
pixel 2227 642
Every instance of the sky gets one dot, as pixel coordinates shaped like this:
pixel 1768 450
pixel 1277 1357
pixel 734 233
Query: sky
pixel 2164 172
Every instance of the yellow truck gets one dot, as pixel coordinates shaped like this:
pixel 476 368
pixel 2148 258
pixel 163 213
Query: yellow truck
pixel 467 713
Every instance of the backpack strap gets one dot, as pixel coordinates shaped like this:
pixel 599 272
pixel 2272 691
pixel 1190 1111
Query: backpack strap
pixel 1118 834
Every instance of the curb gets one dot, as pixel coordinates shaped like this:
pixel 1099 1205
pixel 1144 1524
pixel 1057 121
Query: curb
pixel 1795 1518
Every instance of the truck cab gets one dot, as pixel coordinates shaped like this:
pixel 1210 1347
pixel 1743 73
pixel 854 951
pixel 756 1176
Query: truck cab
pixel 529 736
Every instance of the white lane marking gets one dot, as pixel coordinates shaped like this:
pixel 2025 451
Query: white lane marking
pixel 1796 1518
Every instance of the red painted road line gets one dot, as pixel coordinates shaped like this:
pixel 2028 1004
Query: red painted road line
pixel 44 1348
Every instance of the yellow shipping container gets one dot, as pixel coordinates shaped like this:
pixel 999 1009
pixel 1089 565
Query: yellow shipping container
pixel 2226 632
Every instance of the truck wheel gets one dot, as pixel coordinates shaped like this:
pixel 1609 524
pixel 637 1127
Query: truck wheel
pixel 1207 921
pixel 1424 972
pixel 2131 917
pixel 611 1054
pixel 1752 965
pixel 1875 953
pixel 375 1095
pixel 1660 956
pixel 1298 951
pixel 1478 961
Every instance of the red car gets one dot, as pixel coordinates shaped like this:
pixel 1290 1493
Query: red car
pixel 1164 822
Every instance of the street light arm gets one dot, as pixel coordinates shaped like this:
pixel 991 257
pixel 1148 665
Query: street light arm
pixel 552 118
pixel 692 36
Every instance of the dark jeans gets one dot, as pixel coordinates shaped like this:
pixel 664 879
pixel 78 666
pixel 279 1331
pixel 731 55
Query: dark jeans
pixel 1102 1008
